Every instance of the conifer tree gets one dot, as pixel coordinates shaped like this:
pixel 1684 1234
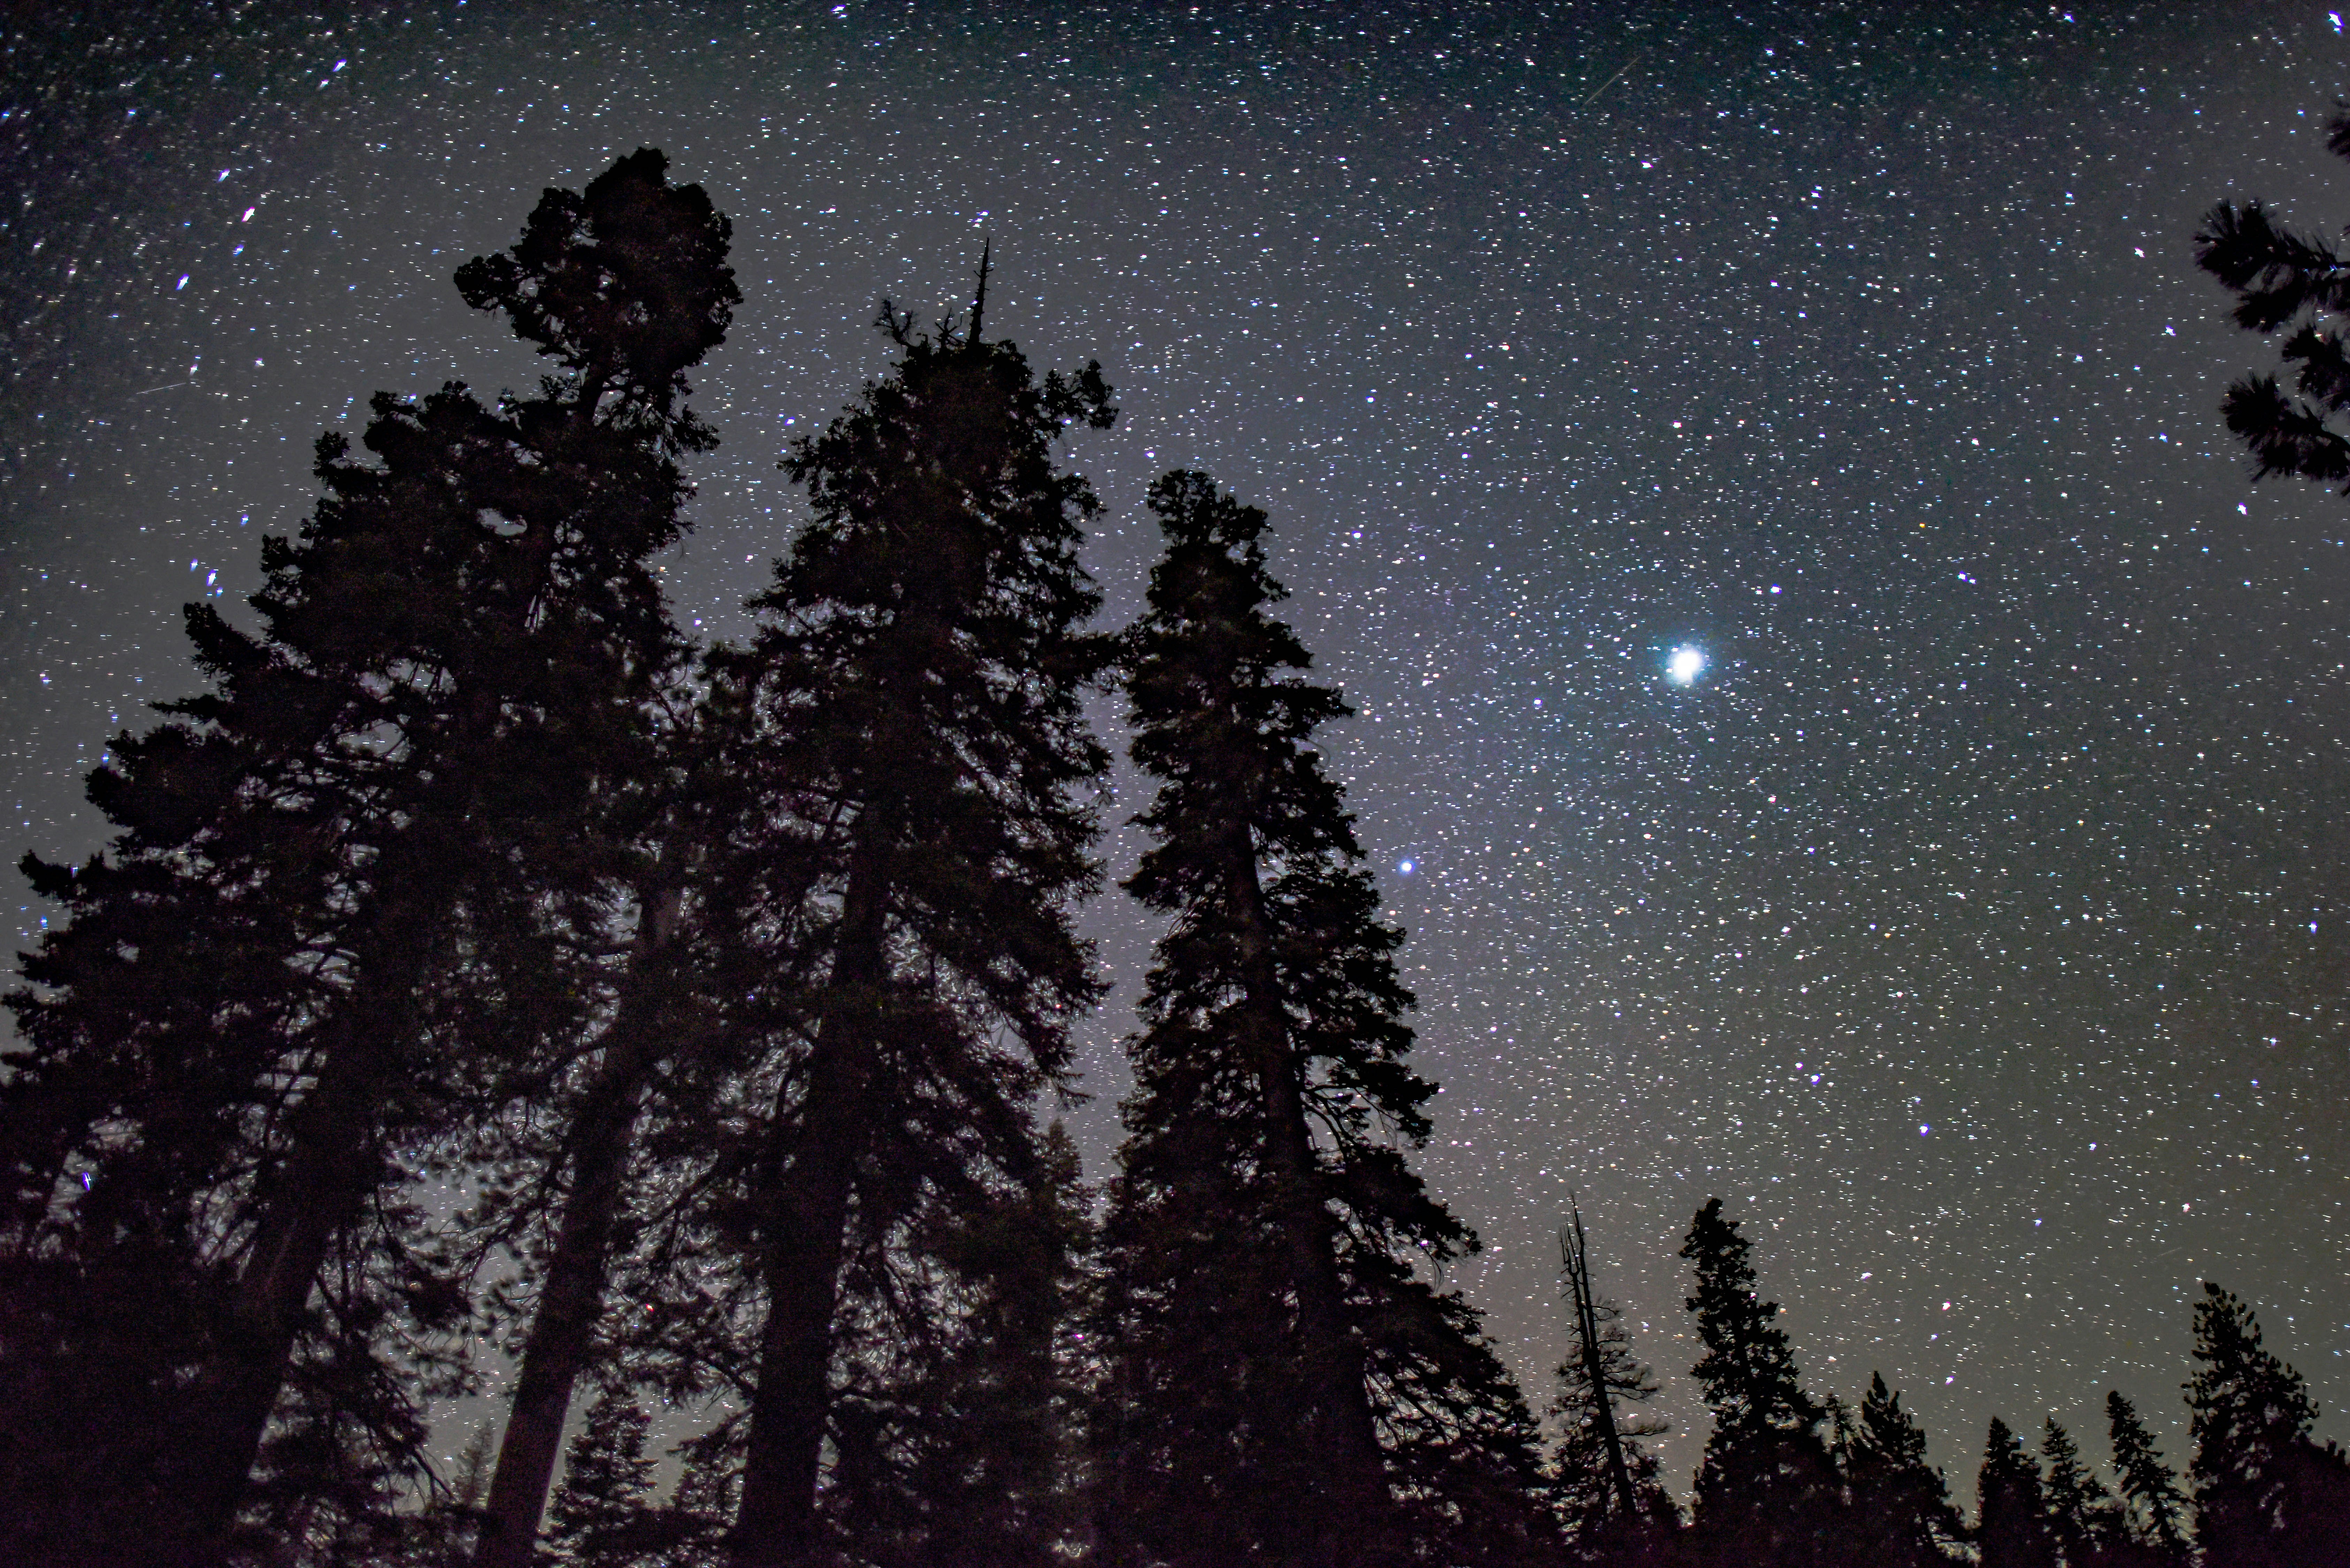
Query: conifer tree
pixel 1284 1385
pixel 1766 1480
pixel 1600 1471
pixel 663 1004
pixel 2265 1492
pixel 1902 1514
pixel 987 1427
pixel 2079 1508
pixel 917 688
pixel 2010 1512
pixel 602 1517
pixel 345 859
pixel 2154 1510
pixel 445 1527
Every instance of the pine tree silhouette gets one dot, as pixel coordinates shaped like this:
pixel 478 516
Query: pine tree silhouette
pixel 602 1516
pixel 2010 1509
pixel 1604 1480
pixel 662 991
pixel 342 861
pixel 2081 1512
pixel 1286 1383
pixel 1766 1487
pixel 917 685
pixel 1902 1513
pixel 2265 1492
pixel 2154 1510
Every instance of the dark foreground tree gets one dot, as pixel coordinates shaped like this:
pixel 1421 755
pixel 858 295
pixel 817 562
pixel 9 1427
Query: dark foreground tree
pixel 2154 1510
pixel 2266 1492
pixel 917 687
pixel 602 1517
pixel 1605 1479
pixel 1902 1516
pixel 326 926
pixel 583 1154
pixel 971 1459
pixel 1286 1384
pixel 2082 1519
pixel 2010 1512
pixel 2282 279
pixel 1766 1488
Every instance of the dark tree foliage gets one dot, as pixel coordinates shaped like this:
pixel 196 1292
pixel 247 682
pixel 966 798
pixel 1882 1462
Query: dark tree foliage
pixel 568 1209
pixel 602 1515
pixel 2082 1519
pixel 2010 1509
pixel 972 1460
pixel 2283 279
pixel 1284 1384
pixel 1902 1516
pixel 328 923
pixel 2265 1492
pixel 2154 1510
pixel 1604 1481
pixel 1767 1482
pixel 919 746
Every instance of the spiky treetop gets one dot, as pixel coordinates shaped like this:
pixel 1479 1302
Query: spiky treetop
pixel 1748 1371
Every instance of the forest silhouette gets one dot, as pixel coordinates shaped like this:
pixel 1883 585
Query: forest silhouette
pixel 726 992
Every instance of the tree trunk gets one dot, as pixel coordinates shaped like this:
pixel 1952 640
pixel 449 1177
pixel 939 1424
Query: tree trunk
pixel 571 1299
pixel 319 1193
pixel 1354 1527
pixel 775 1524
pixel 1594 1369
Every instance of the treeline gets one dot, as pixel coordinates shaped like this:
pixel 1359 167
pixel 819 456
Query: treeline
pixel 1789 1478
pixel 480 966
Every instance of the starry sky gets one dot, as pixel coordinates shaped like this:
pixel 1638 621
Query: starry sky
pixel 1971 919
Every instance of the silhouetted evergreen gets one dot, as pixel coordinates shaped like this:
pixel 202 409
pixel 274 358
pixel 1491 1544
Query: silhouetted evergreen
pixel 2010 1511
pixel 2154 1510
pixel 1902 1516
pixel 1603 1482
pixel 1284 1385
pixel 332 919
pixel 1766 1488
pixel 2082 1519
pixel 568 1209
pixel 602 1516
pixel 2265 1492
pixel 973 1459
pixel 917 688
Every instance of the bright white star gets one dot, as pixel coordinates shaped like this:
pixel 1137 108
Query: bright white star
pixel 1684 665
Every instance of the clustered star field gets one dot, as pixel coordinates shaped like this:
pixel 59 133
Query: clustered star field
pixel 1839 727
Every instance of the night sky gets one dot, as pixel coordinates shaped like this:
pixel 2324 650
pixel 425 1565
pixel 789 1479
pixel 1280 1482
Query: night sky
pixel 1971 919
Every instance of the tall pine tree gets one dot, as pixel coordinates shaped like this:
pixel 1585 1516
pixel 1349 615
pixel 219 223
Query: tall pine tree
pixel 918 684
pixel 2010 1509
pixel 1766 1488
pixel 2081 1515
pixel 1606 1479
pixel 325 920
pixel 2266 1492
pixel 1287 1385
pixel 2153 1516
pixel 1902 1513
